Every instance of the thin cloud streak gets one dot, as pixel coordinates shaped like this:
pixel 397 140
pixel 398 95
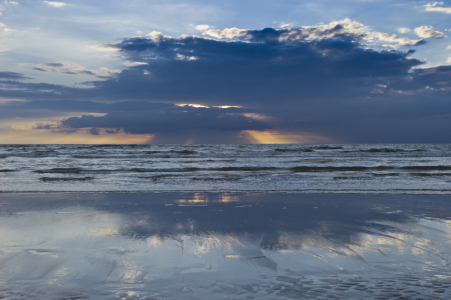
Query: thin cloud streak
pixel 55 4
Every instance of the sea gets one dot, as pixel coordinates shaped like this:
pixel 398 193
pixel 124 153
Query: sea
pixel 363 168
pixel 220 222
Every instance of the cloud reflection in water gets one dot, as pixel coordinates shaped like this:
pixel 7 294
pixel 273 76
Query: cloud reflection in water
pixel 134 246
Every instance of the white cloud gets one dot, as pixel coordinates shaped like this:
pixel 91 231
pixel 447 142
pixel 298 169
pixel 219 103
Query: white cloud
pixel 332 30
pixel 157 36
pixel 449 47
pixel 335 28
pixel 449 60
pixel 393 38
pixel 55 4
pixel 202 27
pixel 427 32
pixel 397 41
pixel 403 30
pixel 11 2
pixel 304 33
pixel 228 33
pixel 435 7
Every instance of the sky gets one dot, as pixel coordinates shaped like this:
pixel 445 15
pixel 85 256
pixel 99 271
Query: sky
pixel 254 71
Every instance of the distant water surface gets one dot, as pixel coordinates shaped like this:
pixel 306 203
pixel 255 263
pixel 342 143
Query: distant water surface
pixel 377 168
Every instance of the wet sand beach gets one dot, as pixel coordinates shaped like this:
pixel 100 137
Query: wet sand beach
pixel 224 246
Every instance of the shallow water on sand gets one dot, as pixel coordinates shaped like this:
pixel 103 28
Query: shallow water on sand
pixel 224 246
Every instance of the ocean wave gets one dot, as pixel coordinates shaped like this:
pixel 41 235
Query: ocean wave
pixel 208 161
pixel 294 150
pixel 143 170
pixel 389 150
pixel 430 174
pixel 60 170
pixel 216 178
pixel 329 147
pixel 339 168
pixel 113 146
pixel 152 152
pixel 250 168
pixel 427 168
pixel 184 151
pixel 215 168
pixel 385 174
pixel 50 179
pixel 296 169
pixel 90 156
pixel 349 177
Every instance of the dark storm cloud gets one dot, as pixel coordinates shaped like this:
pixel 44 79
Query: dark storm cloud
pixel 169 119
pixel 262 69
pixel 95 107
pixel 139 116
pixel 438 78
pixel 321 80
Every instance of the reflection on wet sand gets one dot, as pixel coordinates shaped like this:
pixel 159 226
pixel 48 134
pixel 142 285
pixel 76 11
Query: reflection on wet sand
pixel 212 246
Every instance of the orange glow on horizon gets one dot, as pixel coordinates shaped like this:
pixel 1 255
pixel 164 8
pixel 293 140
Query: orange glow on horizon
pixel 276 137
pixel 24 131
pixel 27 131
pixel 43 136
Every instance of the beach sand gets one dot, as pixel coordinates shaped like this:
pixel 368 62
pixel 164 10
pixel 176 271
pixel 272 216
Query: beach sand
pixel 224 246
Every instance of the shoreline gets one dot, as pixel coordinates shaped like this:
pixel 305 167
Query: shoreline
pixel 309 192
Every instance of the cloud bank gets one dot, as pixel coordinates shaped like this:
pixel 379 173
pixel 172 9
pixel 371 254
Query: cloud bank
pixel 340 82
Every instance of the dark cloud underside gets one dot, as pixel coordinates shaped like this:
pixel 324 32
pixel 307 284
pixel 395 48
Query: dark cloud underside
pixel 326 82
